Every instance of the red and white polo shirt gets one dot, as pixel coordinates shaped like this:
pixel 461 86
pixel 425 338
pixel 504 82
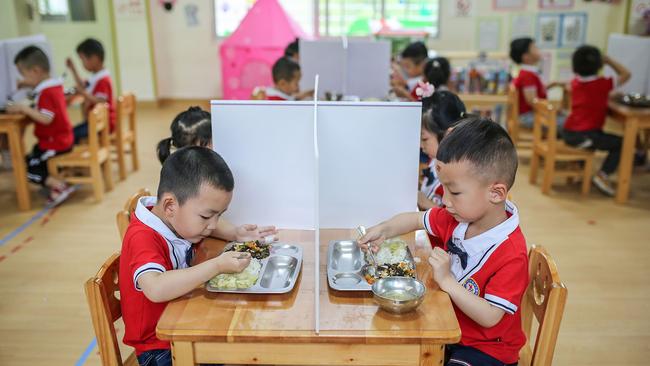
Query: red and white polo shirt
pixel 50 101
pixel 497 270
pixel 589 97
pixel 528 79
pixel 100 86
pixel 275 94
pixel 148 246
pixel 432 188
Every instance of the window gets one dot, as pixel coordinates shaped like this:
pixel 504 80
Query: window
pixel 365 17
pixel 229 13
pixel 340 17
pixel 63 10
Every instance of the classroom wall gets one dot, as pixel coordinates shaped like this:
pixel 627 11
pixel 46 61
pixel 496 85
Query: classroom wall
pixel 8 22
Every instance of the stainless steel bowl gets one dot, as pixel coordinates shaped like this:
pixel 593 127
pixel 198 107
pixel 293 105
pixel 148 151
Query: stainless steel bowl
pixel 398 295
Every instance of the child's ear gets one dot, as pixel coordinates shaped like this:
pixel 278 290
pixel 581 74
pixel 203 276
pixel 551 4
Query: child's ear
pixel 169 204
pixel 498 193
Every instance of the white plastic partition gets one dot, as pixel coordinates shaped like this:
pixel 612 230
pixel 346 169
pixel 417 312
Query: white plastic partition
pixel 633 52
pixel 367 170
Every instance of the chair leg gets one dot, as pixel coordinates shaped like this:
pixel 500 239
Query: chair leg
pixel 108 174
pixel 121 163
pixel 534 167
pixel 98 181
pixel 134 155
pixel 586 176
pixel 549 171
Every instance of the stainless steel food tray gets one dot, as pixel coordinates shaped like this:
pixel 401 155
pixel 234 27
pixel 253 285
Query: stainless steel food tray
pixel 346 265
pixel 278 274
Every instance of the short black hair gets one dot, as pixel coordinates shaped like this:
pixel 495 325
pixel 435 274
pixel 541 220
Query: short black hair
pixel 292 48
pixel 416 51
pixel 587 60
pixel 32 56
pixel 284 69
pixel 437 71
pixel 187 169
pixel 519 47
pixel 91 47
pixel 440 111
pixel 483 143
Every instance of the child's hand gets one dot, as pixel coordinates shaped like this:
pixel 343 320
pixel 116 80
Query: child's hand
pixel 69 63
pixel 232 262
pixel 15 108
pixel 250 232
pixel 373 238
pixel 441 263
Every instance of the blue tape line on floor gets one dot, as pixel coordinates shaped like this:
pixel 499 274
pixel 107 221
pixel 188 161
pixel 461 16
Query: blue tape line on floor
pixel 84 356
pixel 24 226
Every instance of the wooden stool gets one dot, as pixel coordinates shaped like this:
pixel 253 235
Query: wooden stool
pixel 544 300
pixel 124 138
pixel 105 309
pixel 547 146
pixel 123 217
pixel 94 155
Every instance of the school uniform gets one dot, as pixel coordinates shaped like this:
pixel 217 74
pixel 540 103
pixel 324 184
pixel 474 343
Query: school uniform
pixel 54 138
pixel 493 266
pixel 431 186
pixel 584 126
pixel 148 246
pixel 100 86
pixel 275 94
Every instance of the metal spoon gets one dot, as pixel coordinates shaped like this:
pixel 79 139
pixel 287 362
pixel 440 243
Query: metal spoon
pixel 372 267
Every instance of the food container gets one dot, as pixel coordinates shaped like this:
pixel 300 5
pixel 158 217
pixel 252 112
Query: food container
pixel 347 264
pixel 278 274
pixel 398 295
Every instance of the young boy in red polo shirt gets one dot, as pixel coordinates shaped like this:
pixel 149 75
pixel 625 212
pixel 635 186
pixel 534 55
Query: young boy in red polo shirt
pixel 286 77
pixel 411 64
pixel 195 189
pixel 52 125
pixel 525 53
pixel 483 264
pixel 589 95
pixel 97 89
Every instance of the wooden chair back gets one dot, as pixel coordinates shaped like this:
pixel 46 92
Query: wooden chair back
pixel 123 217
pixel 125 110
pixel 512 120
pixel 126 133
pixel 98 131
pixel 102 294
pixel 544 301
pixel 545 125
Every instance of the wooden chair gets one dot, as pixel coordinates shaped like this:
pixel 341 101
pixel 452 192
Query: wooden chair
pixel 544 300
pixel 104 304
pixel 547 146
pixel 94 156
pixel 520 135
pixel 124 138
pixel 123 217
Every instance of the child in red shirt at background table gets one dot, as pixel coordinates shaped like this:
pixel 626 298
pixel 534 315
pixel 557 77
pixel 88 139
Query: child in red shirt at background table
pixel 286 78
pixel 411 65
pixel 483 265
pixel 589 96
pixel 52 125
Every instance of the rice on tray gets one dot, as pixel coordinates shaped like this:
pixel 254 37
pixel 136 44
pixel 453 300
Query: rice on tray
pixel 391 251
pixel 233 281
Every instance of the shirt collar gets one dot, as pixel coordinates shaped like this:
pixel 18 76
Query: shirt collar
pixel 48 83
pixel 531 68
pixel 148 218
pixel 586 79
pixel 496 235
pixel 273 92
pixel 94 78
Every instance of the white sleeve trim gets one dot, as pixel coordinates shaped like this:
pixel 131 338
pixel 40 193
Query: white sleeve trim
pixel 427 223
pixel 504 304
pixel 530 87
pixel 101 95
pixel 46 112
pixel 147 267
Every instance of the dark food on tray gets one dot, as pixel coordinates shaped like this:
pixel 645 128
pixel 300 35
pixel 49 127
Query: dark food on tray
pixel 255 248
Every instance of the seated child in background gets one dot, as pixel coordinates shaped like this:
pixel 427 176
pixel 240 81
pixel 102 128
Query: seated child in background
pixel 589 96
pixel 441 110
pixel 97 89
pixel 292 51
pixel 483 265
pixel 411 64
pixel 52 125
pixel 437 72
pixel 286 77
pixel 525 53
pixel 193 127
pixel 195 189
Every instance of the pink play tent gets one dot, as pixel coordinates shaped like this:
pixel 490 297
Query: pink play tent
pixel 249 53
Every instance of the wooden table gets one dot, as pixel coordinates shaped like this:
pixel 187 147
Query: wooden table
pixel 482 101
pixel 634 120
pixel 14 126
pixel 279 329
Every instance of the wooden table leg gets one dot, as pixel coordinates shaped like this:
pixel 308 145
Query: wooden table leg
pixel 432 354
pixel 19 167
pixel 183 354
pixel 627 160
